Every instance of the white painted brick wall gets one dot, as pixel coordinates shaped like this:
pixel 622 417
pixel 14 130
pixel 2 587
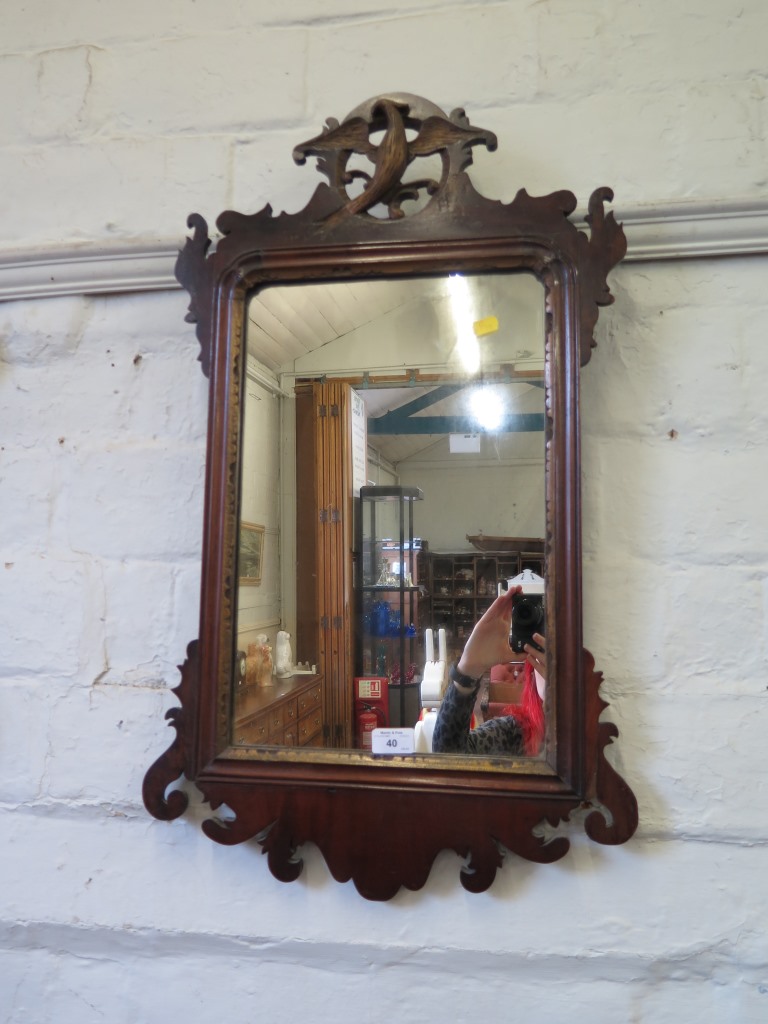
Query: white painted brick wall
pixel 123 119
pixel 199 106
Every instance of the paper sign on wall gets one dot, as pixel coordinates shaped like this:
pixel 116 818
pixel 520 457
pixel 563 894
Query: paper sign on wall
pixel 358 443
pixel 464 443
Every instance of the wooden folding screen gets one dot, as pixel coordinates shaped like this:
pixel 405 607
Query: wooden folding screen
pixel 324 543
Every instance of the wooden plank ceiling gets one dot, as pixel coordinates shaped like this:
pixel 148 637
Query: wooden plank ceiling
pixel 291 327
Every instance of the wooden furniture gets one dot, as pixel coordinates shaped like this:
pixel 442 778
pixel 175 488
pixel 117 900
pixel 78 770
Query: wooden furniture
pixel 382 823
pixel 461 585
pixel 288 713
pixel 498 545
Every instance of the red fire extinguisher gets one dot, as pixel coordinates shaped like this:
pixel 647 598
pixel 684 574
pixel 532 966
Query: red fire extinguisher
pixel 368 719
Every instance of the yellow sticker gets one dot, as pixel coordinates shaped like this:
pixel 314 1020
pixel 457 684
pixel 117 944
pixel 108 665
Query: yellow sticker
pixel 487 325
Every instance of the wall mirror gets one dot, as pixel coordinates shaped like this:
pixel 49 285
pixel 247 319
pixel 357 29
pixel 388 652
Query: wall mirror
pixel 457 417
pixel 393 433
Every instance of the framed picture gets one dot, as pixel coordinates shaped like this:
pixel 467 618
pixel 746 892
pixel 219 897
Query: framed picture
pixel 251 553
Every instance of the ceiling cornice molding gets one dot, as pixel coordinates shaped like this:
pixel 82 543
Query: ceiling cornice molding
pixel 673 231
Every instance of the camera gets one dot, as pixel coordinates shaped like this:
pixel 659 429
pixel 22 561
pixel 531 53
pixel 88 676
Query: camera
pixel 527 619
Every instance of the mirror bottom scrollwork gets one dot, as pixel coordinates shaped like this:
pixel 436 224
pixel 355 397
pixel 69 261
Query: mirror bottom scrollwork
pixel 282 816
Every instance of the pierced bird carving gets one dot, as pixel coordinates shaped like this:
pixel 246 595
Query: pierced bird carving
pixel 337 142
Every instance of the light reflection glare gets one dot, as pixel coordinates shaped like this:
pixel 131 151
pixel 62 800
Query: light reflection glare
pixel 487 407
pixel 467 346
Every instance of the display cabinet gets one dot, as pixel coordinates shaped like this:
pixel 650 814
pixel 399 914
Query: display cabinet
pixel 387 590
pixel 461 585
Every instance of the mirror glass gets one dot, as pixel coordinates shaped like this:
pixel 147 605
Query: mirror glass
pixel 440 444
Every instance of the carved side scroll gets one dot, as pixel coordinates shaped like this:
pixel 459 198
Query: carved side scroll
pixel 607 247
pixel 612 794
pixel 176 761
pixel 192 272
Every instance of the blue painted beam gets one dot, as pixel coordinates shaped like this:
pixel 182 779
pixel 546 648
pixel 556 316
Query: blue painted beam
pixel 394 423
pixel 437 394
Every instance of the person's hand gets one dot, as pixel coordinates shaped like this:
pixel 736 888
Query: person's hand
pixel 536 658
pixel 488 643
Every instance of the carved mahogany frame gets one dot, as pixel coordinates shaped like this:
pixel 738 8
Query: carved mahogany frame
pixel 382 823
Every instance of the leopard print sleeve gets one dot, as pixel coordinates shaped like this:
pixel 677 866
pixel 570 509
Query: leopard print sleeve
pixel 453 735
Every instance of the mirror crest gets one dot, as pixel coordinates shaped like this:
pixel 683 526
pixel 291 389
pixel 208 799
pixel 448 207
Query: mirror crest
pixel 432 133
pixel 382 821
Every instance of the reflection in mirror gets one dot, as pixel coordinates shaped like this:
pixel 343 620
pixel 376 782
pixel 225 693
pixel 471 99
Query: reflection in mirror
pixel 416 408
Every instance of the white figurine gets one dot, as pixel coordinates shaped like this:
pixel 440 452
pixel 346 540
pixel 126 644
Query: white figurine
pixel 435 678
pixel 283 654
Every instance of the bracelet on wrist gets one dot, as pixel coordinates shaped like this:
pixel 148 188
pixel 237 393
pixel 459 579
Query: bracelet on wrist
pixel 469 682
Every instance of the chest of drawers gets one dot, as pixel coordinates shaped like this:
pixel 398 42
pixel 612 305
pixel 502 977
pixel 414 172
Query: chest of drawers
pixel 287 714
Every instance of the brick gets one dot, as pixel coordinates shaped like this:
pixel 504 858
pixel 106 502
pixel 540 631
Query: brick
pixel 139 594
pixel 23 767
pixel 105 740
pixel 55 599
pixel 40 333
pixel 182 175
pixel 484 57
pixel 30 485
pixel 695 506
pixel 145 21
pixel 220 100
pixel 143 502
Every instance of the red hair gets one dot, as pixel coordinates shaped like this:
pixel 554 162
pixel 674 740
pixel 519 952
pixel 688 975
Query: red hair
pixel 529 713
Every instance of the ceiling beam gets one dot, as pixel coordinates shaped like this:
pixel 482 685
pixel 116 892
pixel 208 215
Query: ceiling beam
pixel 395 423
